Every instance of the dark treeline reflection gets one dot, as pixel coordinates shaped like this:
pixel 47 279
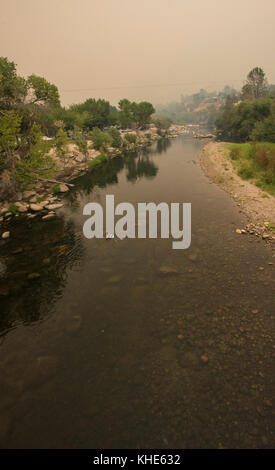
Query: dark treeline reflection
pixel 34 262
pixel 33 274
pixel 137 164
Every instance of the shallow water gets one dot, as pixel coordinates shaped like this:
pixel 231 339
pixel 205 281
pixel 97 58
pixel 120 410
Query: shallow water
pixel 105 351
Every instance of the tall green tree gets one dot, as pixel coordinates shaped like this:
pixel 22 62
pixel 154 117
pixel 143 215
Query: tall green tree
pixel 142 112
pixel 13 89
pixel 126 116
pixel 9 136
pixel 41 91
pixel 256 84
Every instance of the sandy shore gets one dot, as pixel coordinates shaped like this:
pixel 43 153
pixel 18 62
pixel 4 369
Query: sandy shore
pixel 255 203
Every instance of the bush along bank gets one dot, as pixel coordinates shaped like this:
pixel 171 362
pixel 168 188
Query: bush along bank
pixel 255 162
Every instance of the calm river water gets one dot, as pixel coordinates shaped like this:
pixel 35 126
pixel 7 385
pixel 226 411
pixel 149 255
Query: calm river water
pixel 106 350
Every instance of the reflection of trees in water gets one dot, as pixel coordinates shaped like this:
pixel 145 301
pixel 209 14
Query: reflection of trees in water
pixel 48 250
pixel 161 146
pixel 140 167
pixel 137 164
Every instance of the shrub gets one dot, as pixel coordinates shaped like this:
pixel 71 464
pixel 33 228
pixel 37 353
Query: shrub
pixel 56 188
pixel 131 138
pixel 101 140
pixel 13 208
pixel 245 171
pixel 234 153
pixel 116 139
pixel 7 186
pixel 82 145
pixel 261 157
pixel 102 158
pixel 61 143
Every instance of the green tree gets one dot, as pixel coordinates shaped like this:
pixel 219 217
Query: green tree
pixel 101 140
pixel 61 143
pixel 236 123
pixel 162 123
pixel 142 112
pixel 37 163
pixel 116 137
pixel 9 135
pixel 42 91
pixel 13 89
pixel 126 116
pixel 98 113
pixel 265 130
pixel 256 84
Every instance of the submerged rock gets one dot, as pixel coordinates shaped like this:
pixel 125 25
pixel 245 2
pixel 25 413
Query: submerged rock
pixel 114 279
pixel 17 251
pixel 5 235
pixel 33 276
pixel 168 271
pixel 204 359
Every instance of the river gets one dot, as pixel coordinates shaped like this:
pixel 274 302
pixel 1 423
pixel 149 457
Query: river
pixel 106 350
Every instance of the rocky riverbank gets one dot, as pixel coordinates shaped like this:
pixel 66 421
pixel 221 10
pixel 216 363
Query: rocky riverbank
pixel 256 204
pixel 45 197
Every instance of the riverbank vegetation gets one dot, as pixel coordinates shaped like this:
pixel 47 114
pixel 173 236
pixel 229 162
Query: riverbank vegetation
pixel 38 135
pixel 255 162
pixel 252 118
pixel 250 124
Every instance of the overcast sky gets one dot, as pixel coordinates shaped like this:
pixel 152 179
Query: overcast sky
pixel 138 49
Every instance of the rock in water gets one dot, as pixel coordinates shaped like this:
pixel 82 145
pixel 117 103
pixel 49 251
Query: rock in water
pixel 33 276
pixel 168 271
pixel 5 235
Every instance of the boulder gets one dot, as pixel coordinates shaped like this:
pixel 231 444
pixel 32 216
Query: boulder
pixel 63 188
pixel 22 207
pixel 28 194
pixel 44 203
pixel 53 207
pixel 80 158
pixel 36 207
pixel 48 216
pixel 5 235
pixel 4 210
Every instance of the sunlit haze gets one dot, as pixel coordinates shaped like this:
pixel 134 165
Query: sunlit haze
pixel 147 49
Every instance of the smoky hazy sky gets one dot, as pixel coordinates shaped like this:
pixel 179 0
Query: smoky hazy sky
pixel 138 49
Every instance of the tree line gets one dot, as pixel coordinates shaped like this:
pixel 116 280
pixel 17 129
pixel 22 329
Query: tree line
pixel 30 109
pixel 252 117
